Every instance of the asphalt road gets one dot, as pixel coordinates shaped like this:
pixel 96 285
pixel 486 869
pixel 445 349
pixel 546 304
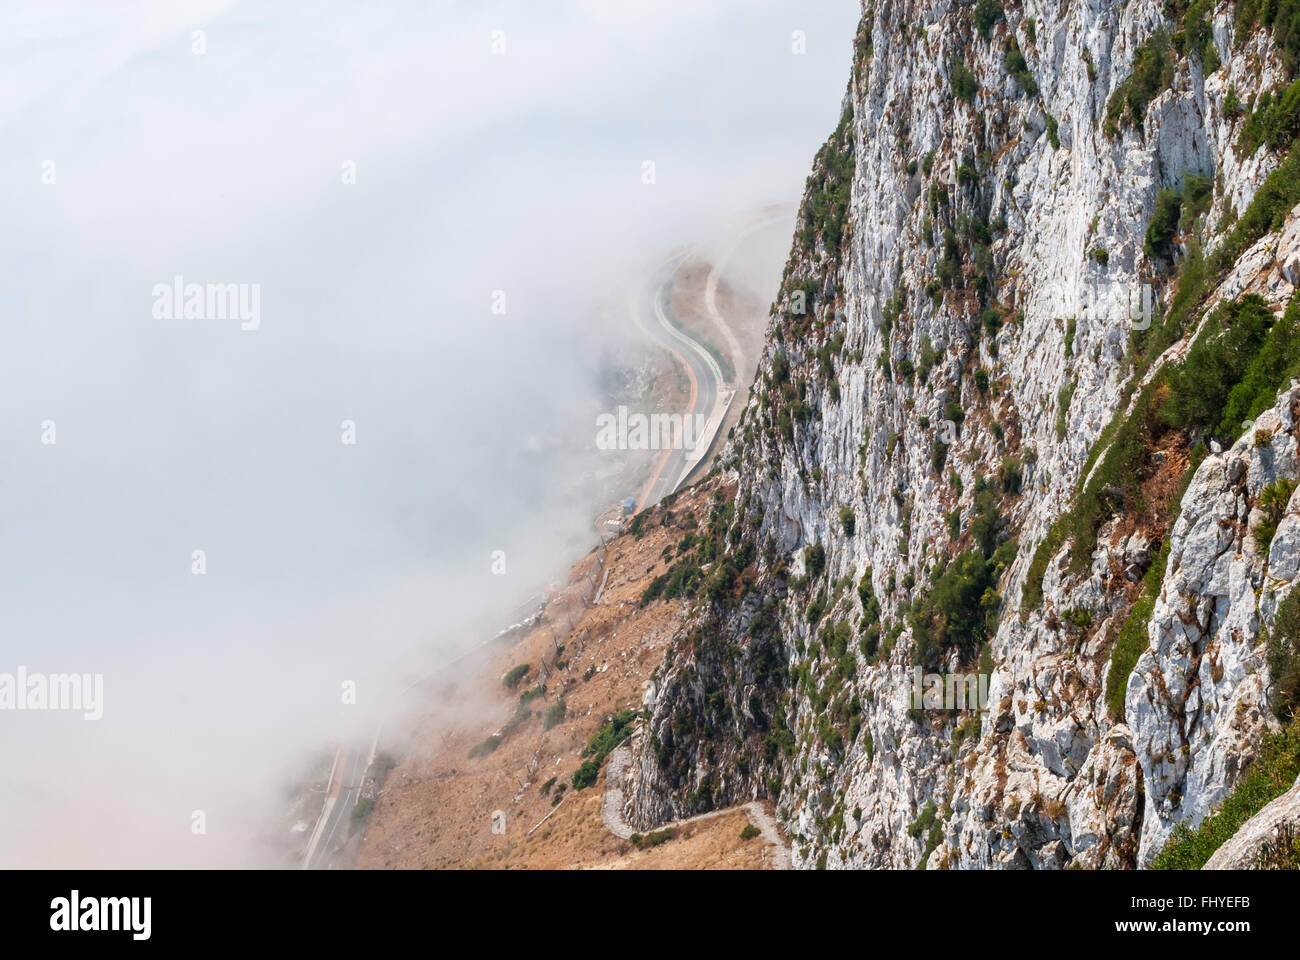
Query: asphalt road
pixel 653 316
pixel 341 799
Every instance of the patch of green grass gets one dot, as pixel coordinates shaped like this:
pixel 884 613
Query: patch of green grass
pixel 485 747
pixel 1153 72
pixel 1130 646
pixel 515 675
pixel 600 746
pixel 1267 212
pixel 1273 772
pixel 1063 399
pixel 987 13
pixel 964 86
pixel 1282 644
pixel 1132 640
pixel 554 714
pixel 1272 501
pixel 650 840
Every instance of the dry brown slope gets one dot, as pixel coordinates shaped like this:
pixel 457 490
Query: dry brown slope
pixel 436 808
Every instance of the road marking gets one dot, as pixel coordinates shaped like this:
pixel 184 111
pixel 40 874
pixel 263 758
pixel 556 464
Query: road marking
pixel 674 332
pixel 695 393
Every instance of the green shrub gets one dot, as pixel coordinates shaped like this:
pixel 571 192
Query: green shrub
pixel 1272 501
pixel 1153 72
pixel 1274 364
pixel 1197 196
pixel 964 86
pixel 923 820
pixel 1164 224
pixel 827 198
pixel 1234 366
pixel 1281 16
pixel 586 774
pixel 1275 121
pixel 957 612
pixel 987 13
pixel 362 809
pixel 848 522
pixel 1063 399
pixel 651 839
pixel 749 832
pixel 600 746
pixel 515 675
pixel 1014 63
pixel 1011 475
pixel 1128 649
pixel 1272 773
pixel 1053 132
pixel 816 608
pixel 1267 212
pixel 814 560
pixel 485 747
pixel 1282 644
pixel 555 714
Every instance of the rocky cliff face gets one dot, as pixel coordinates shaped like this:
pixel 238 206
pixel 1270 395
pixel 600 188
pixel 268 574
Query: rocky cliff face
pixel 969 450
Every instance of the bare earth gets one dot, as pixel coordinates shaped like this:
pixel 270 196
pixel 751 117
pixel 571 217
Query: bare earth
pixel 438 807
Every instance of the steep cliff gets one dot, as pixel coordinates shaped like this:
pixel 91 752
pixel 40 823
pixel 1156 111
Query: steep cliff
pixel 1025 410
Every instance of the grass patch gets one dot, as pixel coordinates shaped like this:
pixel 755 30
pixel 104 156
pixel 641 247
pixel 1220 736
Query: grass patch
pixel 1282 644
pixel 485 747
pixel 515 675
pixel 1229 381
pixel 1272 501
pixel 1273 772
pixel 600 746
pixel 1153 72
pixel 649 840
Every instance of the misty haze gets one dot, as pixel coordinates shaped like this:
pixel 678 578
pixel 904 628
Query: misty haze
pixel 517 438
pixel 432 218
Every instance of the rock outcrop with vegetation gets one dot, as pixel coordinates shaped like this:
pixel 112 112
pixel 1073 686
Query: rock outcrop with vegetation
pixel 1027 409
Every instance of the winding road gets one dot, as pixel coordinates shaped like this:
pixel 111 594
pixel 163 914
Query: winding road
pixel 611 811
pixel 709 392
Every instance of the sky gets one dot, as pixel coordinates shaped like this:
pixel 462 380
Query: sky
pixel 382 176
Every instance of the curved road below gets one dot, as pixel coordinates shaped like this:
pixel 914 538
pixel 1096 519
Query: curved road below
pixel 709 393
pixel 611 811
